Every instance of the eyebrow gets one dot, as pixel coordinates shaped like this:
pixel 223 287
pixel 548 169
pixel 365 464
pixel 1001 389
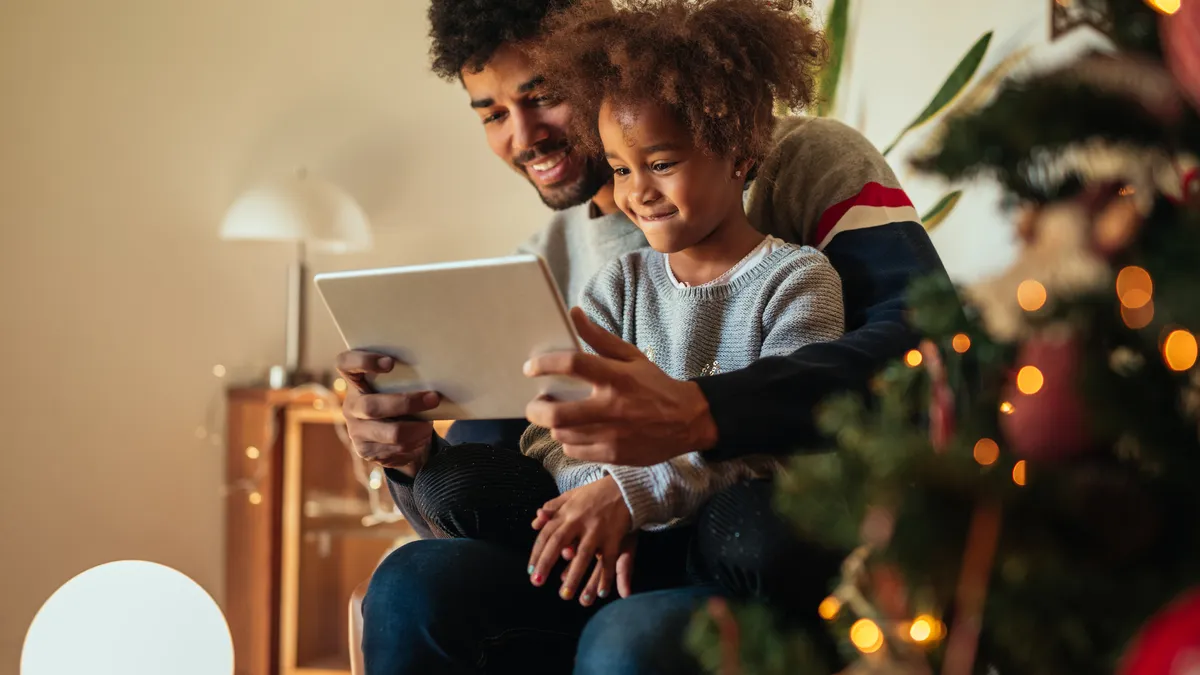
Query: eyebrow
pixel 661 147
pixel 524 88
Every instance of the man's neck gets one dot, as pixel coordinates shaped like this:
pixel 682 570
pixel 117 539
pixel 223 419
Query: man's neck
pixel 732 241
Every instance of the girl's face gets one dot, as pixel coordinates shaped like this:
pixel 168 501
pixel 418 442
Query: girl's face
pixel 677 194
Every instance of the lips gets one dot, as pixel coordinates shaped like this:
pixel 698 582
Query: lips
pixel 550 169
pixel 657 216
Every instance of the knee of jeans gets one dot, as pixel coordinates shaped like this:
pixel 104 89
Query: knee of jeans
pixel 402 598
pixel 616 642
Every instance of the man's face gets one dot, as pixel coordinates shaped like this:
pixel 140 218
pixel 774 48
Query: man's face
pixel 527 128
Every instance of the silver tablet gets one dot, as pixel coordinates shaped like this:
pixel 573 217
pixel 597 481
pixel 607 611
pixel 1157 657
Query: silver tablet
pixel 463 329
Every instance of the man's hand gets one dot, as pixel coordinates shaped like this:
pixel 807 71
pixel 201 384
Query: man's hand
pixel 637 415
pixel 585 525
pixel 376 422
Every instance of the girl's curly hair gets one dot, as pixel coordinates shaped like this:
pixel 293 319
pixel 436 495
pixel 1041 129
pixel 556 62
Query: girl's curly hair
pixel 720 65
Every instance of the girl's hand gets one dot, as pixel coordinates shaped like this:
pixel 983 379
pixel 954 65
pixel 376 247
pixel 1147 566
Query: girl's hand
pixel 581 525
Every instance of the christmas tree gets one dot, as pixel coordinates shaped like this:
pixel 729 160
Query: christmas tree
pixel 1021 494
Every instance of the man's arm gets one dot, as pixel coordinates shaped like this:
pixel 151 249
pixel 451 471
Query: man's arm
pixel 826 185
pixel 768 407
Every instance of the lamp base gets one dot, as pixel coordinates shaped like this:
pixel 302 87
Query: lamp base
pixel 280 377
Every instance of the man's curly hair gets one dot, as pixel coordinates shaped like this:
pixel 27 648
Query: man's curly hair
pixel 465 33
pixel 720 65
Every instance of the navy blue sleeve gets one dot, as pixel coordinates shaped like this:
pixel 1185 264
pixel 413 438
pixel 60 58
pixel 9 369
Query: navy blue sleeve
pixel 499 433
pixel 767 408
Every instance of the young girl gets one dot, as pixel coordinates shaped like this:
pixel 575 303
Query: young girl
pixel 686 91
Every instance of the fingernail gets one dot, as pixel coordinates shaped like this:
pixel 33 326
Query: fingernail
pixel 537 580
pixel 568 552
pixel 384 363
pixel 585 598
pixel 527 368
pixel 565 592
pixel 431 399
pixel 603 593
pixel 530 570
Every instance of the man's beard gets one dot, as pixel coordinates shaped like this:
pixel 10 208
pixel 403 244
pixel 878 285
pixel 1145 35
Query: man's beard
pixel 595 175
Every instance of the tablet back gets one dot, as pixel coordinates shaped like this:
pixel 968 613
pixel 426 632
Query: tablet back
pixel 463 329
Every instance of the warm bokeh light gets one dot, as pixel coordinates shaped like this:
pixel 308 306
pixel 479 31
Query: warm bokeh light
pixel 1134 287
pixel 1030 380
pixel 829 608
pixel 1127 191
pixel 987 451
pixel 219 370
pixel 913 358
pixel 376 480
pixel 252 452
pixel 319 404
pixel 961 343
pixel 1031 295
pixel 339 385
pixel 1006 408
pixel 866 636
pixel 921 629
pixel 1138 318
pixel 255 498
pixel 1019 472
pixel 1179 350
pixel 1165 6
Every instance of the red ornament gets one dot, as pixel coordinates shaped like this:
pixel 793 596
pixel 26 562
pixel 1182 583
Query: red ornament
pixel 1043 416
pixel 1169 644
pixel 1180 34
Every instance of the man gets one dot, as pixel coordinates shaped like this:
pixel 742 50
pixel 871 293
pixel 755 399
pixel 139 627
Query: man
pixel 459 605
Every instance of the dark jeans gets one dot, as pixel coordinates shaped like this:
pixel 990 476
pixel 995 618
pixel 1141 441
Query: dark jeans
pixel 465 604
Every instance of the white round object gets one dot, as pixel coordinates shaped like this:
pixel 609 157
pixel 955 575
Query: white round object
pixel 129 618
pixel 301 208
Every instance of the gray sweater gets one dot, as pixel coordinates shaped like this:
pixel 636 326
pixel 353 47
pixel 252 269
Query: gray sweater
pixel 791 298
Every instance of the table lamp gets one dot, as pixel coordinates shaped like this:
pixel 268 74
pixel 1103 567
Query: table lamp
pixel 310 213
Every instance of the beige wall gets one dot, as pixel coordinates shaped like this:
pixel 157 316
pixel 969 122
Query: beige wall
pixel 126 128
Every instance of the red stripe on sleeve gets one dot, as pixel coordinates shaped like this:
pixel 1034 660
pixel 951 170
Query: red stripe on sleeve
pixel 872 194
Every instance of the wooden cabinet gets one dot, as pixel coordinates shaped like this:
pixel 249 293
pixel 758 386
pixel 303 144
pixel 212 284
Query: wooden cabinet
pixel 296 542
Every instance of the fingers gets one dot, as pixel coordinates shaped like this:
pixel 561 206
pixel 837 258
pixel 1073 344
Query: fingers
pixel 605 343
pixel 586 434
pixel 560 414
pixel 553 537
pixel 403 433
pixel 355 365
pixel 582 365
pixel 625 573
pixel 581 561
pixel 389 406
pixel 608 569
pixel 390 456
pixel 592 590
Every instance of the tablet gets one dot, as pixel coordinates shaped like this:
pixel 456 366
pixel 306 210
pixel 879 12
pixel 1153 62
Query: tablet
pixel 462 329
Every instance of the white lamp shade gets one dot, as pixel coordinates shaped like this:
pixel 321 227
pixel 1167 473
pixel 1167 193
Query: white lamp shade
pixel 129 618
pixel 301 209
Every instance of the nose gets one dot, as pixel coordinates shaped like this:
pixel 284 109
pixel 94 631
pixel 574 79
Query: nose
pixel 528 130
pixel 643 190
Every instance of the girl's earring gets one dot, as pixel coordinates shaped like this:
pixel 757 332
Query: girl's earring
pixel 738 173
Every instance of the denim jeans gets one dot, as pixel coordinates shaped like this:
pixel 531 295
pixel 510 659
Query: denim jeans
pixel 458 606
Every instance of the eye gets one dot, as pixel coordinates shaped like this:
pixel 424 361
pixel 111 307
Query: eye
pixel 620 171
pixel 544 101
pixel 494 117
pixel 662 166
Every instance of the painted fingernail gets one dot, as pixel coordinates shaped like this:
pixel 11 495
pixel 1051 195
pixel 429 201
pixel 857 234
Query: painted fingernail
pixel 529 571
pixel 603 593
pixel 537 580
pixel 586 598
pixel 565 592
pixel 527 368
pixel 568 553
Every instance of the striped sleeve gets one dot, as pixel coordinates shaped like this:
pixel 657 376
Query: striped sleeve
pixel 823 178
